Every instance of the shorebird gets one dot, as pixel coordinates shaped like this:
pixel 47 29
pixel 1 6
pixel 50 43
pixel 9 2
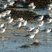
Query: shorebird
pixel 50 13
pixel 8 17
pixel 2 25
pixel 50 10
pixel 10 20
pixel 50 6
pixel 11 3
pixel 20 19
pixel 19 25
pixel 3 14
pixel 34 32
pixel 32 36
pixel 8 12
pixel 30 28
pixel 49 20
pixel 40 18
pixel 21 22
pixel 32 6
pixel 41 23
pixel 2 30
pixel 5 6
pixel 48 30
pixel 24 23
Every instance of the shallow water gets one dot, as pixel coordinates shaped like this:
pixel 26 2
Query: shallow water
pixel 15 38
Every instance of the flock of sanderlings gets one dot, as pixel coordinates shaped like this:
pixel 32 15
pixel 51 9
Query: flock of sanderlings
pixel 24 23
